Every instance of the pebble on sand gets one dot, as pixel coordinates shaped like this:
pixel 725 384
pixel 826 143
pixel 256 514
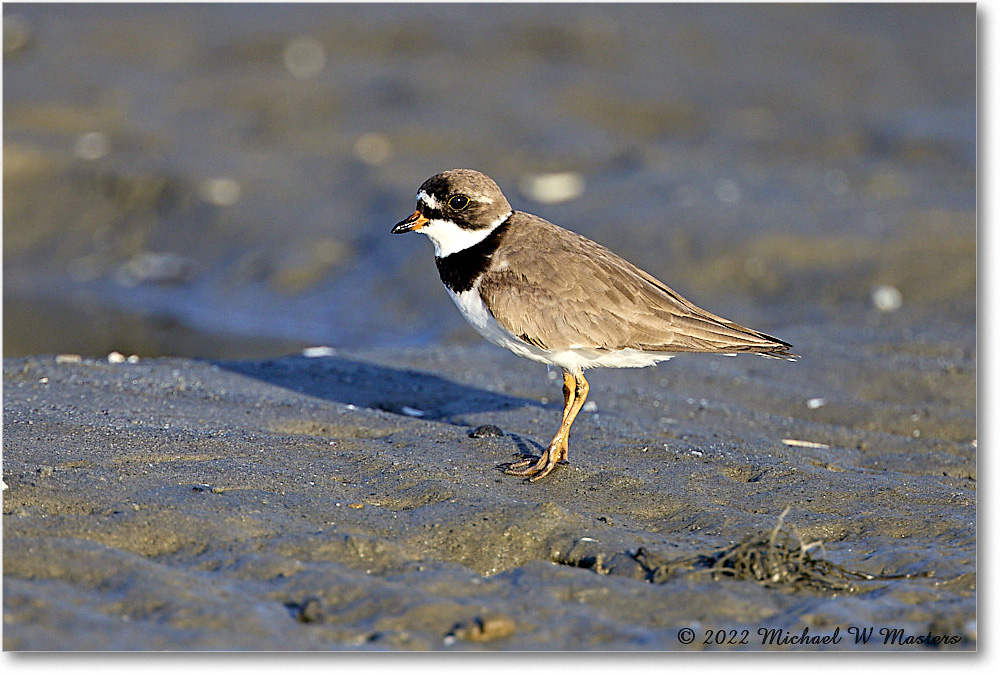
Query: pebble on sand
pixel 482 629
pixel 803 444
pixel 92 145
pixel 304 58
pixel 221 191
pixel 553 188
pixel 372 148
pixel 147 267
pixel 317 352
pixel 486 431
pixel 886 298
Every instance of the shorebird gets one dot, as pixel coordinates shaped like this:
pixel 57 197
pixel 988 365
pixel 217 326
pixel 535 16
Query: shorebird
pixel 554 296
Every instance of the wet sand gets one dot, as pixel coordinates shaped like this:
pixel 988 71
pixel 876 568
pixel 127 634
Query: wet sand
pixel 340 502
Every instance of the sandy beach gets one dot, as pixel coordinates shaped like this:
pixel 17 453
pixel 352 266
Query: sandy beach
pixel 340 502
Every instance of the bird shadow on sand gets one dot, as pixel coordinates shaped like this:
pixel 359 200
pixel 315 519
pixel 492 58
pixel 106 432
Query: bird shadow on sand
pixel 400 391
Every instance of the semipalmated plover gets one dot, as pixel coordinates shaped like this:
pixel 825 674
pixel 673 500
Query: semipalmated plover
pixel 551 295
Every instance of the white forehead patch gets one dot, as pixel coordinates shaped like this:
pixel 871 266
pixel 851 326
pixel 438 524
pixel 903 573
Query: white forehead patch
pixel 428 200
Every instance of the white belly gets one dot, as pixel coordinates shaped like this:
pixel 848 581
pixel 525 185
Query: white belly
pixel 471 304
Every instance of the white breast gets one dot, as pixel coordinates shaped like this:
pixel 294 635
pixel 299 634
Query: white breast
pixel 471 304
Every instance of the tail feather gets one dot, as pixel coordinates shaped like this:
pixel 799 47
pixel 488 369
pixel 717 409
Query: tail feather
pixel 781 353
pixel 779 350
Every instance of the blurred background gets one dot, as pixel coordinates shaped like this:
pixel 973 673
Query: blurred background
pixel 220 180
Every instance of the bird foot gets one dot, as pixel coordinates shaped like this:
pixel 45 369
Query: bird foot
pixel 535 468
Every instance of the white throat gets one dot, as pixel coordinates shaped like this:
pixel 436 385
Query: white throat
pixel 449 238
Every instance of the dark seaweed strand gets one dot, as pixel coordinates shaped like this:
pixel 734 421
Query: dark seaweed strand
pixel 460 270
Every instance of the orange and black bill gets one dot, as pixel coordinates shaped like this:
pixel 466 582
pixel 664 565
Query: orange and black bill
pixel 414 222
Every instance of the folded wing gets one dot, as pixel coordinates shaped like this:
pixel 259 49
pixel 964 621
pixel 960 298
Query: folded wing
pixel 559 290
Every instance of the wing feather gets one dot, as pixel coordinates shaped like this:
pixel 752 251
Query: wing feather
pixel 559 290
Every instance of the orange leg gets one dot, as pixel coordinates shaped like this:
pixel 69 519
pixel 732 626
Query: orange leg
pixel 575 390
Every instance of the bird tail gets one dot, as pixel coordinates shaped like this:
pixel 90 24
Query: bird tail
pixel 779 350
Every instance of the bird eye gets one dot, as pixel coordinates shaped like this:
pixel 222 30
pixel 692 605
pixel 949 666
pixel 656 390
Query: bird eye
pixel 458 202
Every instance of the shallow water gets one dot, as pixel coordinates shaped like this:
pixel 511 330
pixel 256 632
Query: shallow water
pixel 235 170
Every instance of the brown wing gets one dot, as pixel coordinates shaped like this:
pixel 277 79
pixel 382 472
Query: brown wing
pixel 559 290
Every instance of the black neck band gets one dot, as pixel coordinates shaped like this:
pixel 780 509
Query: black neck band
pixel 460 270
